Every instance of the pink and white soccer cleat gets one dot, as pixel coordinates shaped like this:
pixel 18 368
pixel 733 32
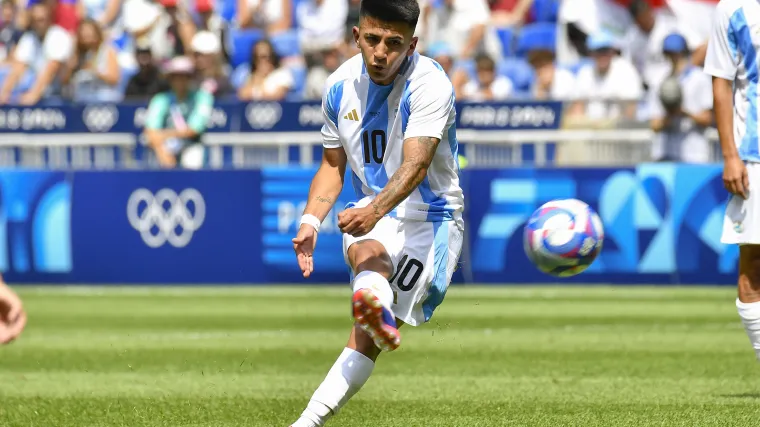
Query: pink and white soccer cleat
pixel 376 320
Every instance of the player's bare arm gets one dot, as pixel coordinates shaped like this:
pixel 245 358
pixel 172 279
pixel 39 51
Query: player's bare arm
pixel 418 154
pixel 735 176
pixel 325 188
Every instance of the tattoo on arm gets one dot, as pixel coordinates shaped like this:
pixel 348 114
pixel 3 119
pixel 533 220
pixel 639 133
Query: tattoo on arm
pixel 321 199
pixel 408 176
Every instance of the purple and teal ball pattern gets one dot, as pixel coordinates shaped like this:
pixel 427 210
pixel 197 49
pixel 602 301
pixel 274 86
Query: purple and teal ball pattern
pixel 563 237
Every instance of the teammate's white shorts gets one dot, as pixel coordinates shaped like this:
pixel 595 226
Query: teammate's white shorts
pixel 741 224
pixel 424 255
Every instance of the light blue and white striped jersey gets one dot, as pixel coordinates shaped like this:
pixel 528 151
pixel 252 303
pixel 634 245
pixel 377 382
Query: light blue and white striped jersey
pixel 371 122
pixel 732 55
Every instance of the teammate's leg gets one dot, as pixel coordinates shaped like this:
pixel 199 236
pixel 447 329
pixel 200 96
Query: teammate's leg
pixel 372 301
pixel 748 301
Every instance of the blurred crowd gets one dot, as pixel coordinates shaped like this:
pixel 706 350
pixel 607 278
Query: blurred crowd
pixel 611 60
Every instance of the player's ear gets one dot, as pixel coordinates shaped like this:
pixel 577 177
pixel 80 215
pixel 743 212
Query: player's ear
pixel 412 46
pixel 355 31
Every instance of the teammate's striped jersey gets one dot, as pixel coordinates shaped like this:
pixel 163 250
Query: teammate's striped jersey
pixel 371 122
pixel 732 54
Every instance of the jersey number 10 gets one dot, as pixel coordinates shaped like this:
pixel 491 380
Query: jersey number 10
pixel 374 146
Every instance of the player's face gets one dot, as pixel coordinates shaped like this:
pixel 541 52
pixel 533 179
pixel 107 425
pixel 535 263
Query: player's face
pixel 384 46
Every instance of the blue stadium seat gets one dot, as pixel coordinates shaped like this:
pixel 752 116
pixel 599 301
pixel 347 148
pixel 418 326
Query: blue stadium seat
pixel 228 9
pixel 507 39
pixel 468 66
pixel 286 43
pixel 299 77
pixel 545 10
pixel 239 75
pixel 242 42
pixel 519 72
pixel 539 36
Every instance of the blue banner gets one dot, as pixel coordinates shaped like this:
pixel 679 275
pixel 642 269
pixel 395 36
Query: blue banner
pixel 254 117
pixel 662 223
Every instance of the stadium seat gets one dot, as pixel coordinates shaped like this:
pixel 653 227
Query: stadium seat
pixel 519 72
pixel 227 9
pixel 507 39
pixel 468 66
pixel 299 77
pixel 539 36
pixel 242 42
pixel 239 75
pixel 286 43
pixel 545 10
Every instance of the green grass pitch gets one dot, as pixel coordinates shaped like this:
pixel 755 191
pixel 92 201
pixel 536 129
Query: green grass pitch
pixel 491 356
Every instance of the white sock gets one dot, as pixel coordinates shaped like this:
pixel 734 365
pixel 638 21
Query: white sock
pixel 346 377
pixel 750 315
pixel 378 284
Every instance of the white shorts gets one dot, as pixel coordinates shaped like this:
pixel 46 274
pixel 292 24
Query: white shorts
pixel 424 256
pixel 741 224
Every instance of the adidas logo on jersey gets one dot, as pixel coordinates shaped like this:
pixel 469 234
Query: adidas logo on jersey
pixel 352 116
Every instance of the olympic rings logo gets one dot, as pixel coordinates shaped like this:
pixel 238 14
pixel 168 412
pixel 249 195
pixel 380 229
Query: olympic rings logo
pixel 159 217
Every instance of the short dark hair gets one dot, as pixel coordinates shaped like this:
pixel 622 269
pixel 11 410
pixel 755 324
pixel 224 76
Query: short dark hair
pixel 484 62
pixel 638 6
pixel 406 11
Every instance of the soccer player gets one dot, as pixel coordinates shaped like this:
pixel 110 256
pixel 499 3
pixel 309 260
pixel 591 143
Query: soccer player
pixel 389 114
pixel 12 315
pixel 732 61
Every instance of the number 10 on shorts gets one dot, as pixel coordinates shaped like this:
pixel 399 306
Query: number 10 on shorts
pixel 406 267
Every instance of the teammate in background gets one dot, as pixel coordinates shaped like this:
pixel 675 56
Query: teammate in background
pixel 389 114
pixel 12 315
pixel 732 61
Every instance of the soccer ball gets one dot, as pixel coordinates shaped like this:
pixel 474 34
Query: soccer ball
pixel 563 237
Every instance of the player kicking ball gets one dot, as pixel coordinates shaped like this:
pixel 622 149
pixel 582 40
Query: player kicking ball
pixel 733 62
pixel 389 115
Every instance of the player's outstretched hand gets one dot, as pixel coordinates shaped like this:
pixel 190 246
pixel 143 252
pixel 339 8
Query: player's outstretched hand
pixel 12 315
pixel 357 221
pixel 304 244
pixel 735 177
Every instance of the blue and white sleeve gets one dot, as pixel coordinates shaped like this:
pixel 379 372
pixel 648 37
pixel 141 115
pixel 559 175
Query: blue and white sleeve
pixel 330 110
pixel 722 56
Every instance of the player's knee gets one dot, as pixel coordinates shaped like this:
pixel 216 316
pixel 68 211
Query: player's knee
pixel 749 273
pixel 370 256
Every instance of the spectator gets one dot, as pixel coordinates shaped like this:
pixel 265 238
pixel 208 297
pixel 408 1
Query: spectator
pixel 43 51
pixel 148 80
pixel 209 65
pixel 443 55
pixel 267 79
pixel 551 82
pixel 644 41
pixel 681 108
pixel 10 33
pixel 209 20
pixel 177 119
pixel 579 18
pixel 168 30
pixel 326 64
pixel 321 23
pixel 463 25
pixel 92 72
pixel 65 14
pixel 271 16
pixel 488 86
pixel 509 13
pixel 610 87
pixel 104 12
pixel 179 28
